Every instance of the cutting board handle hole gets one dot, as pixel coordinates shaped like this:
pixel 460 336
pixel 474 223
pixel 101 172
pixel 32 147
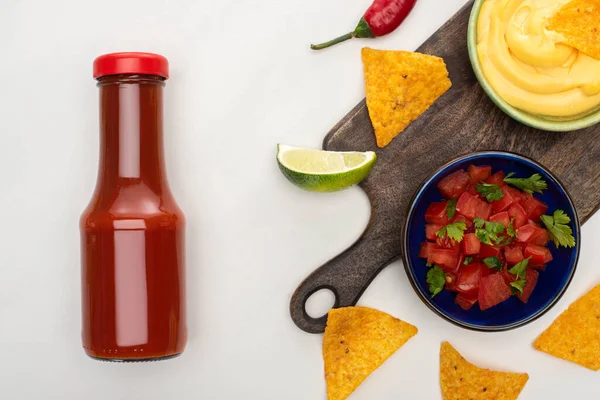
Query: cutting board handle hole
pixel 320 302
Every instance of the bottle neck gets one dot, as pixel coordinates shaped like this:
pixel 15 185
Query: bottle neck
pixel 131 132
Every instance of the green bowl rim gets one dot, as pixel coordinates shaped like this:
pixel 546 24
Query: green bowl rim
pixel 519 115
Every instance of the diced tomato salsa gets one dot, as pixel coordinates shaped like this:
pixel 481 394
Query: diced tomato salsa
pixel 498 234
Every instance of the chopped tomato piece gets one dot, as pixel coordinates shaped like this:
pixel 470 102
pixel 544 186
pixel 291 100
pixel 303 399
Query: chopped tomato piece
pixel 469 276
pixel 426 247
pixel 493 290
pixel 525 232
pixel 447 243
pixel 523 246
pixel 454 184
pixel 479 174
pixel 532 222
pixel 472 206
pixel 465 301
pixel 507 276
pixel 484 210
pixel 463 202
pixel 450 282
pixel 534 208
pixel 470 244
pixel 513 254
pixel 532 234
pixel 496 179
pixel 532 278
pixel 539 255
pixel 469 224
pixel 445 258
pixel 502 218
pixel 431 229
pixel 471 189
pixel 541 238
pixel 516 194
pixel 504 203
pixel 436 213
pixel 489 251
pixel 518 213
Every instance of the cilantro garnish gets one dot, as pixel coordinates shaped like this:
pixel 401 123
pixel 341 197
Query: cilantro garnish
pixel 534 183
pixel 478 222
pixel 436 279
pixel 510 230
pixel 451 208
pixel 428 264
pixel 493 262
pixel 487 232
pixel 454 231
pixel 494 227
pixel 503 241
pixel 490 191
pixel 519 285
pixel 468 260
pixel 557 227
pixel 519 268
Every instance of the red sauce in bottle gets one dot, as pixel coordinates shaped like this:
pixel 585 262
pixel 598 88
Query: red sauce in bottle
pixel 132 232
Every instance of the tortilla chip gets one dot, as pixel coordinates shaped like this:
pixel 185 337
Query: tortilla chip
pixel 461 380
pixel 400 86
pixel 575 335
pixel 579 22
pixel 357 341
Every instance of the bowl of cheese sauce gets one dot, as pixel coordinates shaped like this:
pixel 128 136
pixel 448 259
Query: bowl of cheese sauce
pixel 529 70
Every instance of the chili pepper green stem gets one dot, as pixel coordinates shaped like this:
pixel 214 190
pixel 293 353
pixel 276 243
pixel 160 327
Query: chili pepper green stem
pixel 363 30
pixel 340 39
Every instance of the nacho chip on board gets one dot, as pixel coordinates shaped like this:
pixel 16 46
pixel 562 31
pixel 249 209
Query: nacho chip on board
pixel 579 22
pixel 461 380
pixel 357 341
pixel 400 86
pixel 575 335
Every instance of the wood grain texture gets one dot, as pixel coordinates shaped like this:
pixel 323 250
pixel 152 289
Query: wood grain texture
pixel 462 121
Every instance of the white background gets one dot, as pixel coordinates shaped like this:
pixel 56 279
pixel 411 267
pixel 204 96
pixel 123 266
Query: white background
pixel 243 79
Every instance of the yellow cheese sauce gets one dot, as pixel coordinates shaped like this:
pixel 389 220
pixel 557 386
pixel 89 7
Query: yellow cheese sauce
pixel 529 66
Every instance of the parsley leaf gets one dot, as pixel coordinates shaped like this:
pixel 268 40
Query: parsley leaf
pixel 468 260
pixel 494 227
pixel 534 183
pixel 455 231
pixel 483 236
pixel 436 279
pixel 559 231
pixel 493 262
pixel 518 285
pixel 451 208
pixel 487 232
pixel 519 268
pixel 429 264
pixel 510 230
pixel 490 191
pixel 503 241
pixel 520 271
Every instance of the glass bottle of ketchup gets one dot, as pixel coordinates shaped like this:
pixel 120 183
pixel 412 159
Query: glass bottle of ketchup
pixel 132 232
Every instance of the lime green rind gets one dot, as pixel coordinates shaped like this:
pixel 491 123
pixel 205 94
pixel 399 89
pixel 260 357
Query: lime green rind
pixel 327 182
pixel 552 124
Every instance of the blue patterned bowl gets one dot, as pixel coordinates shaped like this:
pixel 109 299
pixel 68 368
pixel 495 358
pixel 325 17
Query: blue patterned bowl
pixel 552 283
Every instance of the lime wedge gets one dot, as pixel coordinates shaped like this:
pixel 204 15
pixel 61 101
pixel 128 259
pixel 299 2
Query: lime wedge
pixel 324 171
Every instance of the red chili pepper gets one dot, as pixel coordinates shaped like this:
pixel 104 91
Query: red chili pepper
pixel 380 19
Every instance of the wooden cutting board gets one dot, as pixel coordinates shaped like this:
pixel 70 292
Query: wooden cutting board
pixel 462 121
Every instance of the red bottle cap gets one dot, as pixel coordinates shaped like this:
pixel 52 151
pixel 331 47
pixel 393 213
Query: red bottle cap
pixel 131 63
